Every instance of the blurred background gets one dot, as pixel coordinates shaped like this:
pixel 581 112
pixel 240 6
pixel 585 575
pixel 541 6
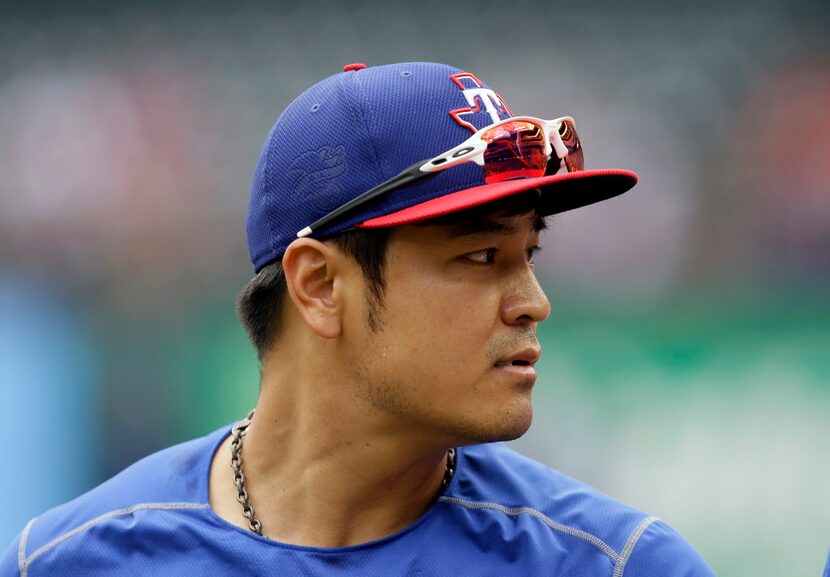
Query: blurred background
pixel 687 360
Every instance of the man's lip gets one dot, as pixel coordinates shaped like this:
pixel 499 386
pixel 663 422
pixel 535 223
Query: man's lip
pixel 528 356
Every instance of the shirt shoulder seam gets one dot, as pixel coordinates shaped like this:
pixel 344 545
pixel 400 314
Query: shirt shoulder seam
pixel 25 563
pixel 21 548
pixel 628 549
pixel 555 525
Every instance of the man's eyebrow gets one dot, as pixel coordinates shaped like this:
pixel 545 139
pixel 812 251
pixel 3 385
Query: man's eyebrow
pixel 479 226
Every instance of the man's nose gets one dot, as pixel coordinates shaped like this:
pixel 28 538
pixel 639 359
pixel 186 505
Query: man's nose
pixel 525 303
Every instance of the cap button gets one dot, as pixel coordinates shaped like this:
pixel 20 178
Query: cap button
pixel 354 66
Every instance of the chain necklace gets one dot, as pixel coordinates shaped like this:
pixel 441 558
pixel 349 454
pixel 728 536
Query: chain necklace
pixel 238 434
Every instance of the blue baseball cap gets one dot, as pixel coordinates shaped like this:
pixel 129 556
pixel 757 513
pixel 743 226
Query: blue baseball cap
pixel 357 129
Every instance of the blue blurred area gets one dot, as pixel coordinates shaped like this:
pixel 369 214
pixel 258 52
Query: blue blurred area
pixel 686 362
pixel 49 381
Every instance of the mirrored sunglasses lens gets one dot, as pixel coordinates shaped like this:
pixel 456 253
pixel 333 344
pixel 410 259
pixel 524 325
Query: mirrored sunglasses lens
pixel 514 150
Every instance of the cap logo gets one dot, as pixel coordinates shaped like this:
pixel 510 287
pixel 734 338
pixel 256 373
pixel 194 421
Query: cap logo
pixel 485 106
pixel 316 176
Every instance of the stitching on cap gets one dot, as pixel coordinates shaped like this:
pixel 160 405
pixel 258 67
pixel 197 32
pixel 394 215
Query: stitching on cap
pixel 628 549
pixel 106 516
pixel 516 511
pixel 363 118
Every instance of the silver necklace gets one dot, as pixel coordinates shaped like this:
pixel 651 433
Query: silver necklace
pixel 238 434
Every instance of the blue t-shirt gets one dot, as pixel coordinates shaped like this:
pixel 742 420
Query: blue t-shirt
pixel 502 514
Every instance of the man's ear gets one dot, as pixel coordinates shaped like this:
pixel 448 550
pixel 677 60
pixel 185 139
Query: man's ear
pixel 311 275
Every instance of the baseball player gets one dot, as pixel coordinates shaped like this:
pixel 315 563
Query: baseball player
pixel 394 216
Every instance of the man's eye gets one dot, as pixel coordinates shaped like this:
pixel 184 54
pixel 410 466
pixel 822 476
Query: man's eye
pixel 486 256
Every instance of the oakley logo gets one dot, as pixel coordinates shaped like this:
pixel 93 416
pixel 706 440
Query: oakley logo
pixel 481 100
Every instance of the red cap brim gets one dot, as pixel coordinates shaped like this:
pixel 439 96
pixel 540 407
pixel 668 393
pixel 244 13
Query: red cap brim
pixel 560 192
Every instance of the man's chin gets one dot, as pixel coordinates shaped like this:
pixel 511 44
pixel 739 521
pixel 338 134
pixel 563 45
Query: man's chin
pixel 506 428
pixel 514 432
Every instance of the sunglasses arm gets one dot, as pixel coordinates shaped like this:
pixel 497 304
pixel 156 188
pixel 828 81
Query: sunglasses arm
pixel 406 177
pixel 471 149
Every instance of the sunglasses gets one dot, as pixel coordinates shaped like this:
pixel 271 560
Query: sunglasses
pixel 517 147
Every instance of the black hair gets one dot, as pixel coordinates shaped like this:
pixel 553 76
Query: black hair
pixel 259 304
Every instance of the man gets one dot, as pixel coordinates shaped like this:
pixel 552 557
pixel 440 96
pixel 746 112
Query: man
pixel 393 220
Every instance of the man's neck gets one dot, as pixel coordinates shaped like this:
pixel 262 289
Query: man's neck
pixel 316 479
